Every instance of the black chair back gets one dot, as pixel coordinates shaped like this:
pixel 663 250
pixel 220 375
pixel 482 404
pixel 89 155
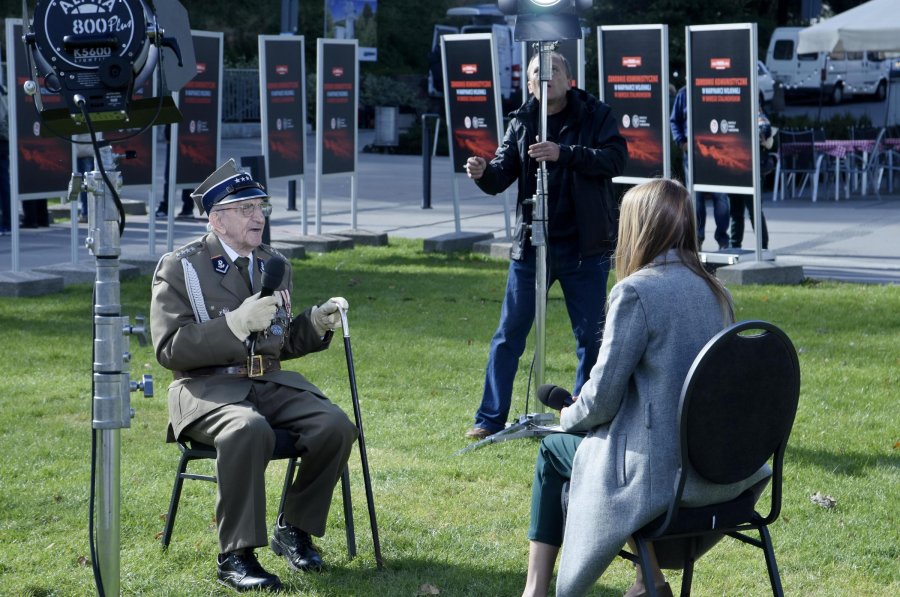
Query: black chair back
pixel 737 407
pixel 739 401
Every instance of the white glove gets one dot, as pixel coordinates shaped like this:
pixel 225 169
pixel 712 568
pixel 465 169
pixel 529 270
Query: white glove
pixel 326 316
pixel 254 315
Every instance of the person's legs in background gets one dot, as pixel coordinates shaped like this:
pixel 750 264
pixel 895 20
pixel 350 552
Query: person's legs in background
pixel 700 208
pixel 748 202
pixel 737 220
pixel 721 214
pixel 5 203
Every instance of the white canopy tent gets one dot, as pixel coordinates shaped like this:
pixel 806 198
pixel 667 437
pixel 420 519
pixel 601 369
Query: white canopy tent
pixel 873 26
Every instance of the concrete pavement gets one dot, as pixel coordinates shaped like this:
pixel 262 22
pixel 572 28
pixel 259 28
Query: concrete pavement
pixel 855 240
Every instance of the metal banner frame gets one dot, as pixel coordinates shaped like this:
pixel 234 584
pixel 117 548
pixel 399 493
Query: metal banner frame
pixel 174 184
pixel 748 29
pixel 457 162
pixel 663 90
pixel 322 46
pixel 285 41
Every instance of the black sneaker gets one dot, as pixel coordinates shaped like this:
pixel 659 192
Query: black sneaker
pixel 296 546
pixel 243 572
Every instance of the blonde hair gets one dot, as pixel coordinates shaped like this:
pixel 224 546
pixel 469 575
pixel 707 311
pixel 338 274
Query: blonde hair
pixel 657 216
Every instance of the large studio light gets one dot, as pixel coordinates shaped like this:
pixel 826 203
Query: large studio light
pixel 543 20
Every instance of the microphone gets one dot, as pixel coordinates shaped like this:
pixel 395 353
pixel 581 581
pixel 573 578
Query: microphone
pixel 554 396
pixel 272 276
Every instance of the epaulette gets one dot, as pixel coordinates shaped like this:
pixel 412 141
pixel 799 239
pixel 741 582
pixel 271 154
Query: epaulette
pixel 272 251
pixel 188 250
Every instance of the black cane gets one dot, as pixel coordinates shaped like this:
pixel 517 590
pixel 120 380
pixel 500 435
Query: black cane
pixel 370 500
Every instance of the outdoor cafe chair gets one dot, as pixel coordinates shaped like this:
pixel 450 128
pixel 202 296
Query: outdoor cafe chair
pixel 797 157
pixel 863 167
pixel 736 412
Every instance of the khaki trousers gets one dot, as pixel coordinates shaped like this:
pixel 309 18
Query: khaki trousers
pixel 243 437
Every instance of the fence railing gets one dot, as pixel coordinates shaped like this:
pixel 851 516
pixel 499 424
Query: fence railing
pixel 240 95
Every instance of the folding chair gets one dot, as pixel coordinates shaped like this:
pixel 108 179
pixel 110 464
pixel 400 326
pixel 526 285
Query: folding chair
pixel 284 450
pixel 737 408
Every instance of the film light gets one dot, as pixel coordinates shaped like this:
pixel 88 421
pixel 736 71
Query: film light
pixel 546 20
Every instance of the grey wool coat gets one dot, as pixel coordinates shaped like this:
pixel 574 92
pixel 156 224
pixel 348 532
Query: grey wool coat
pixel 623 476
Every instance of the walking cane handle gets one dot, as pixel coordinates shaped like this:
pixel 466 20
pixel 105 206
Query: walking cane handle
pixel 344 325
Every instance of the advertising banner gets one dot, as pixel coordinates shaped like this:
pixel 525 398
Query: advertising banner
pixel 572 49
pixel 722 107
pixel 337 96
pixel 634 81
pixel 40 166
pixel 471 97
pixel 282 102
pixel 137 171
pixel 354 19
pixel 198 137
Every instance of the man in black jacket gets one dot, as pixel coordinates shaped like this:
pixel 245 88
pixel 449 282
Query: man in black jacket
pixel 583 151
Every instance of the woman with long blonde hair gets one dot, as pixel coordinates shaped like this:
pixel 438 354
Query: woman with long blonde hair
pixel 621 447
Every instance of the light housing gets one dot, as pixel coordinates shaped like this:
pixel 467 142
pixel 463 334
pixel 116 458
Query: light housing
pixel 545 20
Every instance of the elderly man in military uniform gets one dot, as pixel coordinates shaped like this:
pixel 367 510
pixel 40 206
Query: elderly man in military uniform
pixel 224 343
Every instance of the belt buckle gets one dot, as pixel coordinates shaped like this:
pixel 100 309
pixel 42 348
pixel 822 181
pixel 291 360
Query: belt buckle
pixel 255 365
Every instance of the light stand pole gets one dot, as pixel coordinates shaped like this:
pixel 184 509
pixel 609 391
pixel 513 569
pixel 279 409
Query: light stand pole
pixel 111 408
pixel 539 225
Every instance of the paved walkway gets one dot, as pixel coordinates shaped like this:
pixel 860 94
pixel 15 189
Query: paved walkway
pixel 855 240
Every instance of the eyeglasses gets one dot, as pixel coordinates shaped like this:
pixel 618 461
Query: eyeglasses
pixel 248 209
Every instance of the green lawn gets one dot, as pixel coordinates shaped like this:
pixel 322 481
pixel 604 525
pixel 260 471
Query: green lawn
pixel 420 326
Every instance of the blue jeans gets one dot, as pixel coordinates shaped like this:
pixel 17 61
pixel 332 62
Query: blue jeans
pixel 721 212
pixel 583 284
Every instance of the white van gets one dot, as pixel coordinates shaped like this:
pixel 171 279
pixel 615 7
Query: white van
pixel 846 73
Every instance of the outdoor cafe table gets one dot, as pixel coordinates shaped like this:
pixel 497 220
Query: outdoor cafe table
pixel 839 148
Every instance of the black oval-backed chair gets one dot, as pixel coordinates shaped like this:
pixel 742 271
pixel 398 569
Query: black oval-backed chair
pixel 284 450
pixel 737 408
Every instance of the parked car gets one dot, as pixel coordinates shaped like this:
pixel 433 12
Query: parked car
pixel 765 83
pixel 839 74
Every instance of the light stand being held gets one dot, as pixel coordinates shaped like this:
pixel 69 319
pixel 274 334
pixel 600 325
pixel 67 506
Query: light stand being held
pixel 537 424
pixel 538 21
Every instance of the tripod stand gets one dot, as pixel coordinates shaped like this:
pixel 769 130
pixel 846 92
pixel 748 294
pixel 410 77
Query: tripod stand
pixel 539 423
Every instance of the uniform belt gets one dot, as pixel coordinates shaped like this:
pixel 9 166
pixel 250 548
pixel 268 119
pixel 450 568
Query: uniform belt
pixel 256 365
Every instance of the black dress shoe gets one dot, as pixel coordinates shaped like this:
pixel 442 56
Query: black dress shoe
pixel 296 546
pixel 243 572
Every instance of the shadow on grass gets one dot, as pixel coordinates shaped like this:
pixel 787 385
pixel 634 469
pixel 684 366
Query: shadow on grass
pixel 412 576
pixel 848 463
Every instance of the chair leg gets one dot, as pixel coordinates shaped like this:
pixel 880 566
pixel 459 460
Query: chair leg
pixel 288 480
pixel 687 577
pixel 771 564
pixel 643 555
pixel 173 501
pixel 348 513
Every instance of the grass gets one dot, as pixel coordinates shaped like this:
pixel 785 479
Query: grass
pixel 420 326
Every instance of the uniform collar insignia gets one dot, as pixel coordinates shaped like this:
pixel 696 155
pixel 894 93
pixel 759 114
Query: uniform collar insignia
pixel 220 264
pixel 260 265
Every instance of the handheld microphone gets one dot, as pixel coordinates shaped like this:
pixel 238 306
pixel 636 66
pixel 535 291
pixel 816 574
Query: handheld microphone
pixel 272 276
pixel 555 397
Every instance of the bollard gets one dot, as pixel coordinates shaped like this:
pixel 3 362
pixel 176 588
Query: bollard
pixel 292 195
pixel 257 166
pixel 426 163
